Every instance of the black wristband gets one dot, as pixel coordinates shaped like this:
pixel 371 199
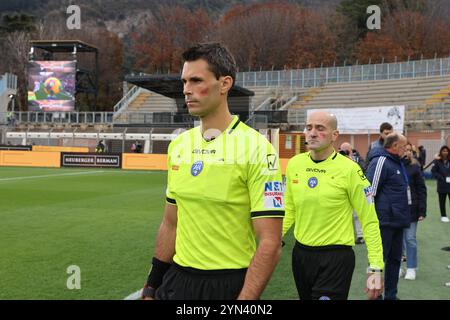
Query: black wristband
pixel 148 292
pixel 159 269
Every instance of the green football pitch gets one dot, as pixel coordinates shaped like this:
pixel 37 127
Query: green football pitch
pixel 105 222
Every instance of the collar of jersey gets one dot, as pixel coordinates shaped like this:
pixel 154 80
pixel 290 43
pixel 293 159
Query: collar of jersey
pixel 228 130
pixel 332 156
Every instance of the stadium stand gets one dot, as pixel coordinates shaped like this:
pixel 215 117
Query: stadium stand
pixel 417 94
pixel 266 99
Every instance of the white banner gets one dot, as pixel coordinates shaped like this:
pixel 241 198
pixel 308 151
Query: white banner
pixel 367 120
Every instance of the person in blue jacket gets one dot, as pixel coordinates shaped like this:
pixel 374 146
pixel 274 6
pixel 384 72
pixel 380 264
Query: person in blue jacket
pixel 441 171
pixel 392 195
pixel 418 210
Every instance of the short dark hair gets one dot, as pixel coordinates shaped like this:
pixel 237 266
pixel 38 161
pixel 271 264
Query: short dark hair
pixel 220 60
pixel 385 126
pixel 391 139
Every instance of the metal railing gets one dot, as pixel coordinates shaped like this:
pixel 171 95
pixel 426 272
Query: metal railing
pixel 155 118
pixel 159 118
pixel 126 100
pixel 61 117
pixel 306 78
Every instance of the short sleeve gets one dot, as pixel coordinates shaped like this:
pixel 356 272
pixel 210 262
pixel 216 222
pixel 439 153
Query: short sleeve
pixel 264 181
pixel 170 197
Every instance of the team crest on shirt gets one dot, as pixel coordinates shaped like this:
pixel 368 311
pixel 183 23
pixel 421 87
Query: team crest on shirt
pixel 273 195
pixel 313 182
pixel 197 168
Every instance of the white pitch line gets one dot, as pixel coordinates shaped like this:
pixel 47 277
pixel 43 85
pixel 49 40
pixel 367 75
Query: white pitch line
pixel 134 296
pixel 52 175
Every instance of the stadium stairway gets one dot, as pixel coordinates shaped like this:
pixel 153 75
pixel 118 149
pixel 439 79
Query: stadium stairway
pixel 146 102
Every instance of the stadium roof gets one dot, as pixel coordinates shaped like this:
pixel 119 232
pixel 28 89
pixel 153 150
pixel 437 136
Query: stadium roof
pixel 171 85
pixel 63 45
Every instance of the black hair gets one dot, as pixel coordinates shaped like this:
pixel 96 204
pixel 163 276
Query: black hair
pixel 446 148
pixel 220 60
pixel 385 126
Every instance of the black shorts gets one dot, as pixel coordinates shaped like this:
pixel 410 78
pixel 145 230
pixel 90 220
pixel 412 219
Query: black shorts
pixel 181 283
pixel 323 273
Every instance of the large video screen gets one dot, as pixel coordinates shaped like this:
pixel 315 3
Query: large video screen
pixel 51 85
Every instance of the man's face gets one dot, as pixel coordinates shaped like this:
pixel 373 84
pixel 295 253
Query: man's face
pixel 200 87
pixel 400 147
pixel 385 133
pixel 318 132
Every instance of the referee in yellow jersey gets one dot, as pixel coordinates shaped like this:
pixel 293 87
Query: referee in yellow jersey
pixel 224 192
pixel 323 188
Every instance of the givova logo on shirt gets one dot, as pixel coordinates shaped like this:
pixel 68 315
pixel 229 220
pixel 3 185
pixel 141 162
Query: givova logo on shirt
pixel 273 195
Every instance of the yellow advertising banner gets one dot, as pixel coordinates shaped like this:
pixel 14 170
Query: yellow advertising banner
pixel 59 149
pixel 137 161
pixel 30 159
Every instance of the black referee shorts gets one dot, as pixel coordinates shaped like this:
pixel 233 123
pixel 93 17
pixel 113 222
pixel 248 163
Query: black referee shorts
pixel 323 273
pixel 181 283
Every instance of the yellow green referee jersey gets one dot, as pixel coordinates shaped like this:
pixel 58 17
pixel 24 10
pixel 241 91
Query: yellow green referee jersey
pixel 320 199
pixel 219 187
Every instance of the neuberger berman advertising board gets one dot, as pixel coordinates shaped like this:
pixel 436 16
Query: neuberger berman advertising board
pixel 94 160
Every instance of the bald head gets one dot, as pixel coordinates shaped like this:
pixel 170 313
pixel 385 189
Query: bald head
pixel 395 143
pixel 346 146
pixel 320 133
pixel 324 116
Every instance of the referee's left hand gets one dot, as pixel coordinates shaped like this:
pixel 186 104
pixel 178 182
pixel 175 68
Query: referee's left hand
pixel 374 285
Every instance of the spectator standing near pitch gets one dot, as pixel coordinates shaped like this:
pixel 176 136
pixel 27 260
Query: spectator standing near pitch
pixel 385 129
pixel 422 156
pixel 220 199
pixel 389 179
pixel 441 171
pixel 418 209
pixel 323 188
pixel 101 147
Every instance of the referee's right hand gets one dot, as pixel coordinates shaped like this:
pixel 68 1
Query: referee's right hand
pixel 374 285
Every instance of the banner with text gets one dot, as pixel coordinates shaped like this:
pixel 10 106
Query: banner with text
pixel 94 160
pixel 367 120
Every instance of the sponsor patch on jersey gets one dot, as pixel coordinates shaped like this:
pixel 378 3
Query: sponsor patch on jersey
pixel 313 182
pixel 295 181
pixel 273 186
pixel 368 193
pixel 273 195
pixel 175 168
pixel 197 168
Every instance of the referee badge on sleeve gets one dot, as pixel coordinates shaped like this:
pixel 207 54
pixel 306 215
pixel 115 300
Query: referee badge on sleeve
pixel 273 195
pixel 368 193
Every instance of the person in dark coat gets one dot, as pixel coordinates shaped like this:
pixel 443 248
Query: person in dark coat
pixel 418 209
pixel 441 171
pixel 385 129
pixel 422 156
pixel 390 188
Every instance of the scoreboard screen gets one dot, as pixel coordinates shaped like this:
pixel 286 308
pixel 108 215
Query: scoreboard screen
pixel 51 85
